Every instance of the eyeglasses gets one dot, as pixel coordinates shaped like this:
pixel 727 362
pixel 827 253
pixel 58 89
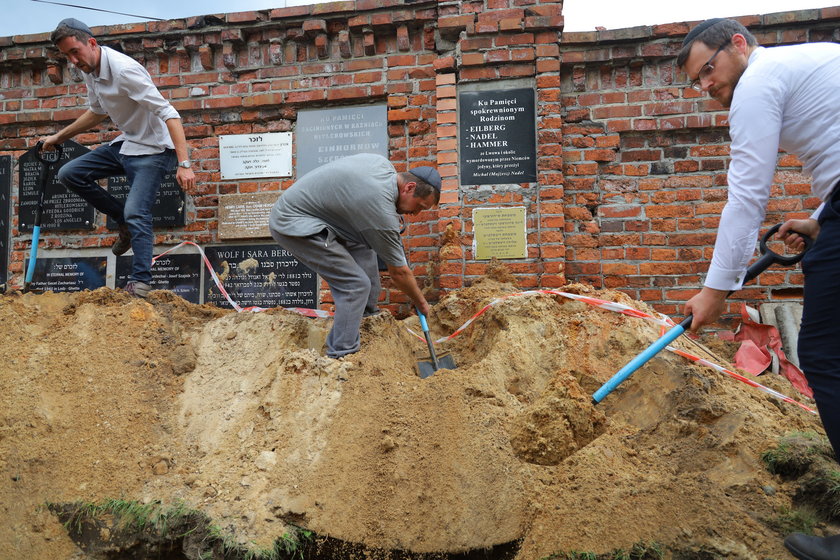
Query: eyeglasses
pixel 706 70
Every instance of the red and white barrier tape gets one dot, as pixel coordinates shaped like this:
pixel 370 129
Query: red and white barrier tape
pixel 629 311
pixel 595 302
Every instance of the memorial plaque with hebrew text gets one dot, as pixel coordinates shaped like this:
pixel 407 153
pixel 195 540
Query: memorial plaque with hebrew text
pixel 178 273
pixel 259 276
pixel 168 210
pixel 499 233
pixel 67 274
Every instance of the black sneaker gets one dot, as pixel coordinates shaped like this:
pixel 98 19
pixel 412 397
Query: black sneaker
pixel 137 289
pixel 123 242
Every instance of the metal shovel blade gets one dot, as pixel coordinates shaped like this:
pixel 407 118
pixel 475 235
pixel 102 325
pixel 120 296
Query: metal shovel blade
pixel 427 369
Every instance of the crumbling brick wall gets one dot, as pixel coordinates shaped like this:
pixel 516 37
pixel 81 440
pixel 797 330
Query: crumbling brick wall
pixel 631 164
pixel 645 160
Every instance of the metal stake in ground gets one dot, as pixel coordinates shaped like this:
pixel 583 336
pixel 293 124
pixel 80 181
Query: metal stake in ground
pixel 47 159
pixel 767 258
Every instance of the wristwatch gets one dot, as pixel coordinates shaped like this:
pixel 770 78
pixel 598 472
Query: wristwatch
pixel 185 164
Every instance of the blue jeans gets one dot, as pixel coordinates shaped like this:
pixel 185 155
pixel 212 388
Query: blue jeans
pixel 819 336
pixel 144 174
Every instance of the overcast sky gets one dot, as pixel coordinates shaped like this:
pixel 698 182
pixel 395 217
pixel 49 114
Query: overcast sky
pixel 28 16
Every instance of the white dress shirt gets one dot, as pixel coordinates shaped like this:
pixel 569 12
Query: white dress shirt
pixel 788 98
pixel 124 90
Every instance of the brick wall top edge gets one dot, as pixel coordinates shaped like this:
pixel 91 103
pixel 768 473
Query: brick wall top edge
pixel 341 8
pixel 679 29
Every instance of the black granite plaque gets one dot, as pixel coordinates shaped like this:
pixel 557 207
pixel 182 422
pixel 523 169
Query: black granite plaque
pixel 323 135
pixel 5 196
pixel 168 210
pixel 66 274
pixel 498 136
pixel 260 276
pixel 62 208
pixel 180 274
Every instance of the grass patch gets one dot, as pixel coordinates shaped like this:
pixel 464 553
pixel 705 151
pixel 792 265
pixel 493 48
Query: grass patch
pixel 798 520
pixel 808 458
pixel 796 452
pixel 639 551
pixel 171 527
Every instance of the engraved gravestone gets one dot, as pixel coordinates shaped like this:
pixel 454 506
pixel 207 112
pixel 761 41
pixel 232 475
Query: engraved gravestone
pixel 180 274
pixel 323 135
pixel 62 209
pixel 497 136
pixel 168 210
pixel 259 276
pixel 66 274
pixel 5 197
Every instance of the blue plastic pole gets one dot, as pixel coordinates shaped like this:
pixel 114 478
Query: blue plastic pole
pixel 640 360
pixel 33 254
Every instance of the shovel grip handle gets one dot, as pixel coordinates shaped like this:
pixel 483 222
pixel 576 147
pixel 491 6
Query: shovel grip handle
pixel 50 157
pixel 423 323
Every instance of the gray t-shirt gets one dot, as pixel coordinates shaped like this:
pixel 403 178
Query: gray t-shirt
pixel 353 197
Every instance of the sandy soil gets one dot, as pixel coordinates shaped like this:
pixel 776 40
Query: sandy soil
pixel 241 417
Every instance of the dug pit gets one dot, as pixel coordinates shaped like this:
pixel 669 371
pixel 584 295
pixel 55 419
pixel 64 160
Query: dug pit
pixel 242 418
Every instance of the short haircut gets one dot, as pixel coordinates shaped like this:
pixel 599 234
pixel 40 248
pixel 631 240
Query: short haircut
pixel 71 28
pixel 715 36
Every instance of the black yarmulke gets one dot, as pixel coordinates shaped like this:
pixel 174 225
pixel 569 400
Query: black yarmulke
pixel 700 29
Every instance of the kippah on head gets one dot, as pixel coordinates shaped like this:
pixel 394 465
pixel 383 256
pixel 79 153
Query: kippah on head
pixel 73 23
pixel 701 27
pixel 427 174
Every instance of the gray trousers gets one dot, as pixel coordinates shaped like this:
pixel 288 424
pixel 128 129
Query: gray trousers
pixel 352 273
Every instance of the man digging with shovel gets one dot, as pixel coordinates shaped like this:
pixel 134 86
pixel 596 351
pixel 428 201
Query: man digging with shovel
pixel 782 97
pixel 337 218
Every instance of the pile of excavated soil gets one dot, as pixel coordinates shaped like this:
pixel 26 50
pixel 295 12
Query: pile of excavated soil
pixel 242 417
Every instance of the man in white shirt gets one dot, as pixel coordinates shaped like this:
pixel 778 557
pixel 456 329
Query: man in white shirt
pixel 151 143
pixel 789 98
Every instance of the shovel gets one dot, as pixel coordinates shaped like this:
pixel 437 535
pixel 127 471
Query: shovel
pixel 47 160
pixel 768 257
pixel 426 369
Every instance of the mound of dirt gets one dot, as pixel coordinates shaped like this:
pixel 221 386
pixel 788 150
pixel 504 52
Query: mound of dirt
pixel 241 417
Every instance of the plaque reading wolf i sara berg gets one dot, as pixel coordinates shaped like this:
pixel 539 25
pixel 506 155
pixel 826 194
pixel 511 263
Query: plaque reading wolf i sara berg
pixel 62 208
pixel 248 156
pixel 168 209
pixel 5 196
pixel 66 274
pixel 323 135
pixel 498 136
pixel 180 274
pixel 259 276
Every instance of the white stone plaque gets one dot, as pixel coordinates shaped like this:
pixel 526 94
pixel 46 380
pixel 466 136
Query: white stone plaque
pixel 246 156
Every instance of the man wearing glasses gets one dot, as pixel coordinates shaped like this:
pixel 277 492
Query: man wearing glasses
pixel 789 98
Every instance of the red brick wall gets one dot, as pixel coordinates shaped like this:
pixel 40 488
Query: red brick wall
pixel 645 162
pixel 501 40
pixel 631 164
pixel 249 73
